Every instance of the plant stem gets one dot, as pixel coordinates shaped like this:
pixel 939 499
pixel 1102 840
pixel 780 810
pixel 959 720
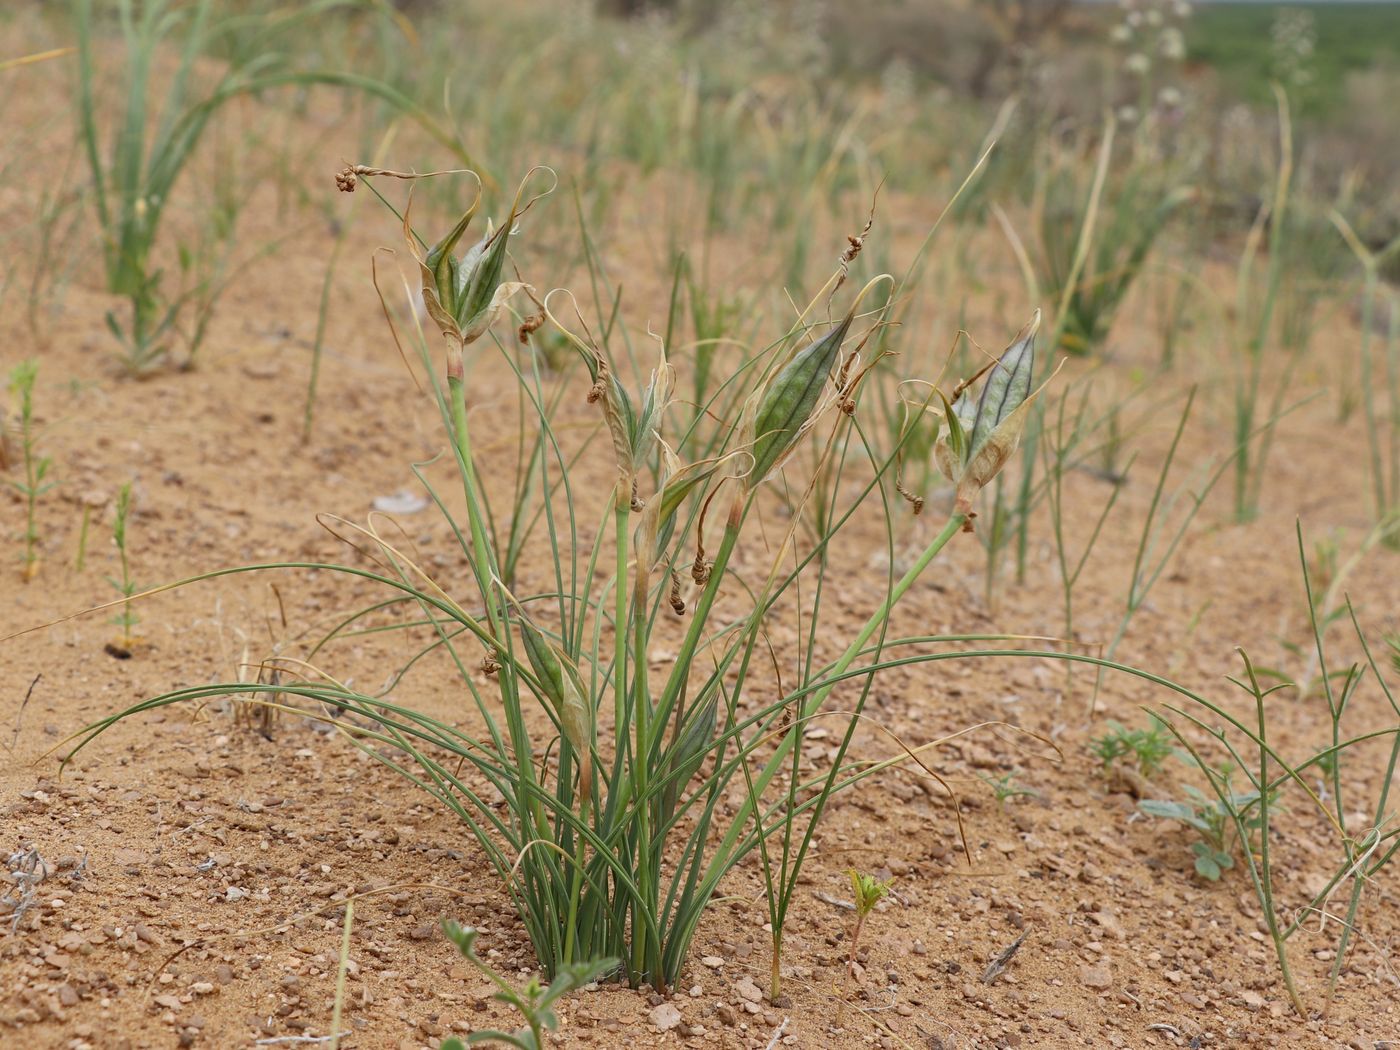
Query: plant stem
pixel 816 699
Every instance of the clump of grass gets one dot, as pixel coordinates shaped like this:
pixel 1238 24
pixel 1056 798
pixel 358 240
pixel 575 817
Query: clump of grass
pixel 1117 236
pixel 1382 429
pixel 1253 320
pixel 153 144
pixel 36 467
pixel 613 832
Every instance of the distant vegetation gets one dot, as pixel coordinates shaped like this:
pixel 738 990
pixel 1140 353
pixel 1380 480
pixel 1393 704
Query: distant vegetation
pixel 1239 41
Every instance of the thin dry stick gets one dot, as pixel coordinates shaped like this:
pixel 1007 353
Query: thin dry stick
pixel 340 975
pixel 19 715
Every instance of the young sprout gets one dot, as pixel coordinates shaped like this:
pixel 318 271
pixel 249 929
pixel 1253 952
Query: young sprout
pixel 869 892
pixel 1148 748
pixel 1212 820
pixel 80 559
pixel 36 467
pixel 534 1002
pixel 1005 788
pixel 126 619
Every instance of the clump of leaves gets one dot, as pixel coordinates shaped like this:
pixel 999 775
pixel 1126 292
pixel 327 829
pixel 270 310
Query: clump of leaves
pixel 1210 817
pixel 609 836
pixel 1148 747
pixel 534 1001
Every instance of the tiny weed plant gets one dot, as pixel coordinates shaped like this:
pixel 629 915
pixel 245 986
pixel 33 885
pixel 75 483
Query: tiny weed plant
pixel 126 619
pixel 1146 748
pixel 36 467
pixel 1209 816
pixel 534 1002
pixel 1005 788
pixel 868 891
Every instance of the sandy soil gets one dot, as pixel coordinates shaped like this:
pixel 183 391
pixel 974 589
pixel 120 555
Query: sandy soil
pixel 197 866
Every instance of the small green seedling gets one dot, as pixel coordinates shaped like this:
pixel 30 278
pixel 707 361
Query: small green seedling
pixel 1005 788
pixel 36 467
pixel 1214 819
pixel 869 892
pixel 126 619
pixel 1148 748
pixel 533 1001
pixel 80 559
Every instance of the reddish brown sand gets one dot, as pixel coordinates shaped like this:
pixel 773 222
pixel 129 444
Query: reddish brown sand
pixel 188 831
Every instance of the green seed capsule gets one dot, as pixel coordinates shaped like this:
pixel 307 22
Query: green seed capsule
pixel 564 691
pixel 687 753
pixel 791 398
pixel 1007 385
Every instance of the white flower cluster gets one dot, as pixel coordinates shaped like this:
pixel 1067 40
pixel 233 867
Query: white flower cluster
pixel 1152 36
pixel 1293 37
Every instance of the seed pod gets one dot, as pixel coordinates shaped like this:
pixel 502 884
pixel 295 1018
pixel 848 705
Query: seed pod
pixel 563 689
pixel 687 752
pixel 464 296
pixel 787 405
pixel 980 439
pixel 1006 387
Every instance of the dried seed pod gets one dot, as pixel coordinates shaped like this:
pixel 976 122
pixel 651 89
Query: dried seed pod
pixel 634 429
pixel 980 438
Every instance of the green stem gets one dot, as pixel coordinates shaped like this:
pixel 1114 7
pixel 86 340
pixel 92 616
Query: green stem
pixel 816 699
pixel 484 564
pixel 1266 882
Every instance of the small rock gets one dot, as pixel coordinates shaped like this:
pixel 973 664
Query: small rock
pixel 1095 977
pixel 665 1017
pixel 747 990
